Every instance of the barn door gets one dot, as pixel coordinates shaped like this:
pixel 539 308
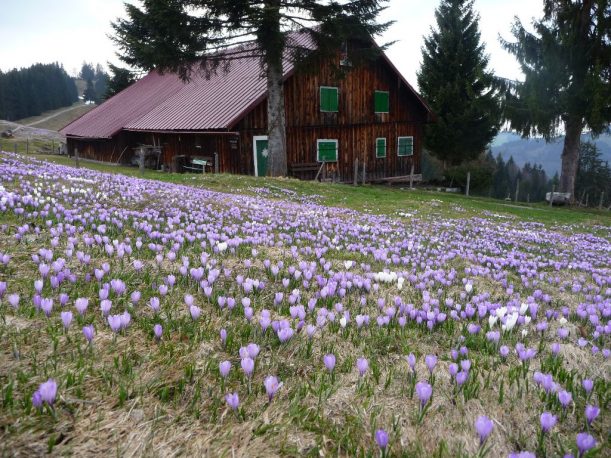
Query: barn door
pixel 260 152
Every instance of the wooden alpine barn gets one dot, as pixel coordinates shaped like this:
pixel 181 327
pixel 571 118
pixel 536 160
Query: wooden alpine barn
pixel 370 113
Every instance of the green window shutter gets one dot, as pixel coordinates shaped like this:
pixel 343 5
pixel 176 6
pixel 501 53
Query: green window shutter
pixel 380 147
pixel 381 101
pixel 329 99
pixel 327 150
pixel 405 146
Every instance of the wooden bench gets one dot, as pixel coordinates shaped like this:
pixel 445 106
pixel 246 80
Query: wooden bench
pixel 198 164
pixel 305 167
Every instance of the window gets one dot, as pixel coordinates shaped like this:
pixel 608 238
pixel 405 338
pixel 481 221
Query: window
pixel 329 99
pixel 405 146
pixel 380 147
pixel 381 101
pixel 326 150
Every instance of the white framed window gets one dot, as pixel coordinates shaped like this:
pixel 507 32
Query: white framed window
pixel 326 150
pixel 405 146
pixel 380 147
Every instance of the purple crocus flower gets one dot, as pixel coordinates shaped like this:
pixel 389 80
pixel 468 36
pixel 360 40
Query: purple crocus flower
pixel 88 332
pixel 548 420
pixel 565 398
pixel 248 365
pixel 66 318
pixel 461 378
pixel 585 442
pixel 223 334
pixel 13 300
pixel 224 368
pixel 114 321
pixel 37 400
pixel 504 351
pixel 381 438
pixel 483 426
pixel 411 360
pixel 232 400
pixel 424 392
pixel 362 365
pixel 587 385
pixel 272 385
pixel 158 331
pixel 329 361
pixel 46 305
pixel 591 413
pixel 48 391
pixel 81 305
pixel 195 312
pixel 431 362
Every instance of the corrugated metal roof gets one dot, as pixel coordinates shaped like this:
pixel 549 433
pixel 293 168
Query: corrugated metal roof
pixel 163 102
pixel 125 107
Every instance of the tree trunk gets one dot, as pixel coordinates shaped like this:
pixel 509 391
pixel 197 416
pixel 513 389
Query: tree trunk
pixel 570 156
pixel 276 123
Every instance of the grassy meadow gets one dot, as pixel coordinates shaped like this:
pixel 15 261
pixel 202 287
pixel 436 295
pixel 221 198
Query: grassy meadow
pixel 179 314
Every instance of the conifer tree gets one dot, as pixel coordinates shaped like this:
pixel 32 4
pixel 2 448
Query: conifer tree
pixel 119 79
pixel 456 83
pixel 172 35
pixel 567 68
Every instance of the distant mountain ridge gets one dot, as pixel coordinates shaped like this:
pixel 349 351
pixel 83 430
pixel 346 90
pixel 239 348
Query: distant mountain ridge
pixel 538 151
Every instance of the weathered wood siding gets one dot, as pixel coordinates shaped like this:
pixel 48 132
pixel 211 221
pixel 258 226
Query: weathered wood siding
pixel 356 126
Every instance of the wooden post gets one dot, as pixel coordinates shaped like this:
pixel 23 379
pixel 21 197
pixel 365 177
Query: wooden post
pixel 364 172
pixel 216 162
pixel 15 147
pixel 141 159
pixel 468 184
pixel 600 203
pixel 551 196
pixel 587 199
pixel 517 189
pixel 52 146
pixel 528 198
pixel 411 177
pixel 27 146
pixel 356 172
pixel 76 158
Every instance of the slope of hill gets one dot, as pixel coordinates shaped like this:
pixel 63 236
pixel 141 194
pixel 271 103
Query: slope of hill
pixel 538 151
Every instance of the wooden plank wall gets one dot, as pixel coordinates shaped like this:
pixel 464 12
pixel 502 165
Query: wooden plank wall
pixel 355 126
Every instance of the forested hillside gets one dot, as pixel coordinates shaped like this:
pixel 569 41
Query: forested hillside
pixel 30 91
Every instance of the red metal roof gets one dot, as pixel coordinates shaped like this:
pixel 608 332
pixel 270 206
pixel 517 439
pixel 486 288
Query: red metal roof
pixel 163 102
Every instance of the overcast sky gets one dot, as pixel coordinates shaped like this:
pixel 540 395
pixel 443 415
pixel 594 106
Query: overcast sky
pixel 70 31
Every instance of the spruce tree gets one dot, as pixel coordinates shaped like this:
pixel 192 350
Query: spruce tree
pixel 456 83
pixel 567 68
pixel 119 79
pixel 89 94
pixel 171 35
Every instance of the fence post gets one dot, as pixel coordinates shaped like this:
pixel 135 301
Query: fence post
pixel 356 171
pixel 411 177
pixel 551 196
pixel 600 204
pixel 53 146
pixel 15 147
pixel 468 184
pixel 364 171
pixel 141 159
pixel 517 189
pixel 76 158
pixel 216 162
pixel 587 199
pixel 27 146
